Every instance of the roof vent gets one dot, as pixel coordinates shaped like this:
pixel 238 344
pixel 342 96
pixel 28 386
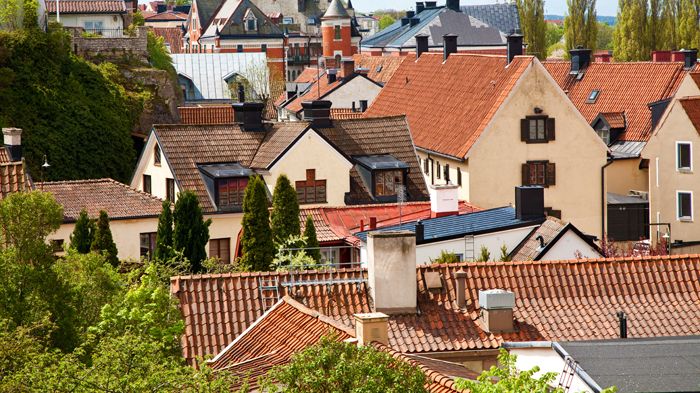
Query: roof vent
pixel 248 115
pixel 497 310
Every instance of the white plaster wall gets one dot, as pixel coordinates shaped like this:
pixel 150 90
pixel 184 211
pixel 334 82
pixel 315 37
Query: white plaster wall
pixel 548 361
pixel 455 166
pixel 78 20
pixel 568 246
pixel 357 89
pixel 158 173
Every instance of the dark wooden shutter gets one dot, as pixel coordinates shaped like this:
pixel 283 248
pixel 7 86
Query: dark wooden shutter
pixel 524 129
pixel 526 174
pixel 550 128
pixel 551 174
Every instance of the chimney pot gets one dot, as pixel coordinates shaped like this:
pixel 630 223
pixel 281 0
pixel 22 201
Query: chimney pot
pixel 421 44
pixel 461 288
pixel 391 271
pixel 248 115
pixel 514 45
pixel 444 199
pixel 449 45
pixel 497 310
pixel 420 6
pixel 318 113
pixel 452 5
pixel 371 327
pixel 529 202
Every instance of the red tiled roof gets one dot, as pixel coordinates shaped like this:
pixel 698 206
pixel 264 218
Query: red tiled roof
pixel 345 113
pixel 691 106
pixel 13 178
pixel 615 119
pixel 379 68
pixel 624 87
pixel 318 89
pixel 555 301
pixel 448 104
pixel 87 6
pixel 172 36
pixel 167 16
pixel 219 114
pixel 117 199
pixel 308 75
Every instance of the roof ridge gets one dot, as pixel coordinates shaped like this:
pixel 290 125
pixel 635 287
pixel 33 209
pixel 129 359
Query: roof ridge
pixel 258 274
pixel 318 315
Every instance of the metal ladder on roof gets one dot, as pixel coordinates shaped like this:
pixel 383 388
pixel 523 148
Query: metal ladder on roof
pixel 269 291
pixel 567 376
pixel 468 248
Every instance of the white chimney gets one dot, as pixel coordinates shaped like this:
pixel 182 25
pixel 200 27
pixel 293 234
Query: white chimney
pixel 12 138
pixel 372 327
pixel 497 310
pixel 444 199
pixel 391 270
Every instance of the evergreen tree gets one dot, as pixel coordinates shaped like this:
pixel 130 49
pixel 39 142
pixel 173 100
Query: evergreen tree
pixel 103 241
pixel 534 26
pixel 630 38
pixel 284 219
pixel 191 232
pixel 311 240
pixel 164 236
pixel 258 248
pixel 580 25
pixel 83 233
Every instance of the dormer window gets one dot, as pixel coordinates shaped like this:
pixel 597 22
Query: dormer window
pixel 388 183
pixel 251 22
pixel 383 174
pixel 229 192
pixel 226 184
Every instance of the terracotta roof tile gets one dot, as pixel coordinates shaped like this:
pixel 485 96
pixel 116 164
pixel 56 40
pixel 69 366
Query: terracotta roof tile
pixel 318 89
pixel 691 106
pixel 555 301
pixel 345 113
pixel 172 36
pixel 214 114
pixel 615 119
pixel 379 68
pixel 624 87
pixel 117 199
pixel 13 178
pixel 87 6
pixel 167 16
pixel 529 248
pixel 434 95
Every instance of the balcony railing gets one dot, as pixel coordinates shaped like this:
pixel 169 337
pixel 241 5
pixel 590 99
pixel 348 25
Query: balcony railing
pixel 104 33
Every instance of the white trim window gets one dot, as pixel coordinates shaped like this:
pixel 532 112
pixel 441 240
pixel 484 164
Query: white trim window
pixel 684 156
pixel 684 205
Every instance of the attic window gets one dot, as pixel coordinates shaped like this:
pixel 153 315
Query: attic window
pixel 593 97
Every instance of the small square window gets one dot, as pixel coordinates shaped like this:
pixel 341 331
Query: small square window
pixel 685 206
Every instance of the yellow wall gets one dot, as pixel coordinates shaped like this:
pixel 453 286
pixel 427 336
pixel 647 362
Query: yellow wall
pixel 223 226
pixel 578 153
pixel 313 152
pixel 624 175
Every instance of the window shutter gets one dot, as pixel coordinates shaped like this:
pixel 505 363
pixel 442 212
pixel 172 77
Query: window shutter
pixel 550 128
pixel 526 174
pixel 524 129
pixel 551 174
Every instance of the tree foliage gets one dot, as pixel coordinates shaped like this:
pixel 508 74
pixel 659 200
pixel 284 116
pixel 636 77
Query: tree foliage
pixel 18 14
pixel 445 257
pixel 312 245
pixel 284 219
pixel 336 366
pixel 191 232
pixel 534 27
pixel 291 256
pixel 103 242
pixel 83 233
pixel 386 21
pixel 630 38
pixel 580 25
pixel 258 247
pixel 164 236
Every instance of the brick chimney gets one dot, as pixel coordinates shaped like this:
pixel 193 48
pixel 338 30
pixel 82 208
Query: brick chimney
pixel 444 200
pixel 370 327
pixel 661 56
pixel 13 142
pixel 677 56
pixel 602 57
pixel 497 310
pixel 347 68
pixel 391 271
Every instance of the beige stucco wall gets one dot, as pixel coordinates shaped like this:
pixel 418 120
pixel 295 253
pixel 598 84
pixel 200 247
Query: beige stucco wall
pixel 687 88
pixel 124 232
pixel 622 176
pixel 313 152
pixel 109 22
pixel 357 89
pixel 158 173
pixel 496 158
pixel 225 226
pixel 665 179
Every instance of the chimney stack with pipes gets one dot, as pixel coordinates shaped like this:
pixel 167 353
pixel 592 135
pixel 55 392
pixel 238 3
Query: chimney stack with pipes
pixel 449 45
pixel 444 199
pixel 580 59
pixel 514 44
pixel 421 44
pixel 372 327
pixel 13 142
pixel 248 115
pixel 391 271
pixel 497 310
pixel 318 113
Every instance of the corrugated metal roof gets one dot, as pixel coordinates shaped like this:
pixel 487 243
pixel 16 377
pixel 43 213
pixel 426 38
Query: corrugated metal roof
pixel 207 72
pixel 618 199
pixel 484 221
pixel 626 149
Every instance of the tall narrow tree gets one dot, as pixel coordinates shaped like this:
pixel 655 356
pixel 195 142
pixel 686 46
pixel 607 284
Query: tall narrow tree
pixel 630 37
pixel 103 241
pixel 284 219
pixel 655 34
pixel 669 27
pixel 534 27
pixel 83 233
pixel 688 23
pixel 312 246
pixel 164 236
pixel 580 25
pixel 191 231
pixel 258 248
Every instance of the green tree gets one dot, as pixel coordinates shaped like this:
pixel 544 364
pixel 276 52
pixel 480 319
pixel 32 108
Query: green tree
pixel 669 28
pixel 687 21
pixel 484 255
pixel 580 25
pixel 284 219
pixel 655 34
pixel 288 257
pixel 605 36
pixel 312 245
pixel 164 236
pixel 83 233
pixel 554 33
pixel 630 37
pixel 336 366
pixel 534 27
pixel 191 232
pixel 258 247
pixel 103 241
pixel 385 21
pixel 504 254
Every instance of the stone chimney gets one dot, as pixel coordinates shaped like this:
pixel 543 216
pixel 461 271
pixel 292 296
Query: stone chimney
pixel 347 68
pixel 497 310
pixel 444 199
pixel 391 271
pixel 318 113
pixel 13 142
pixel 370 327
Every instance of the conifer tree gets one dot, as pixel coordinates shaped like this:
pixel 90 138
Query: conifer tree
pixel 83 233
pixel 312 246
pixel 655 35
pixel 258 248
pixel 164 236
pixel 534 27
pixel 191 231
pixel 580 25
pixel 284 219
pixel 630 37
pixel 103 241
pixel 687 20
pixel 669 28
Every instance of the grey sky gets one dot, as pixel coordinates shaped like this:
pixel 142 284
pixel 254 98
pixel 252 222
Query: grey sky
pixel 605 7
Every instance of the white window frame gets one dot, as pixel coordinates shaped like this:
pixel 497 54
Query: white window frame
pixel 678 168
pixel 678 207
pixel 657 171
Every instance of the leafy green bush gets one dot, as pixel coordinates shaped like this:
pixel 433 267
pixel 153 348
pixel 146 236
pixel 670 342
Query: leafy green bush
pixel 445 257
pixel 158 54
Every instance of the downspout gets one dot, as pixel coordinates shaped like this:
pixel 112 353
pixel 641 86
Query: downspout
pixel 603 206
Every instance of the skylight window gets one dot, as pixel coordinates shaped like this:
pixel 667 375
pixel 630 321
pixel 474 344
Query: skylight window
pixel 593 97
pixel 379 68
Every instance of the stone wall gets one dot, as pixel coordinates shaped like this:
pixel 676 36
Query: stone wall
pixel 104 48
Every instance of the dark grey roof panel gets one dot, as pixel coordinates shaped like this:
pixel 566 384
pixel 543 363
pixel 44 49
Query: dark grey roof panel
pixel 504 17
pixel 380 161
